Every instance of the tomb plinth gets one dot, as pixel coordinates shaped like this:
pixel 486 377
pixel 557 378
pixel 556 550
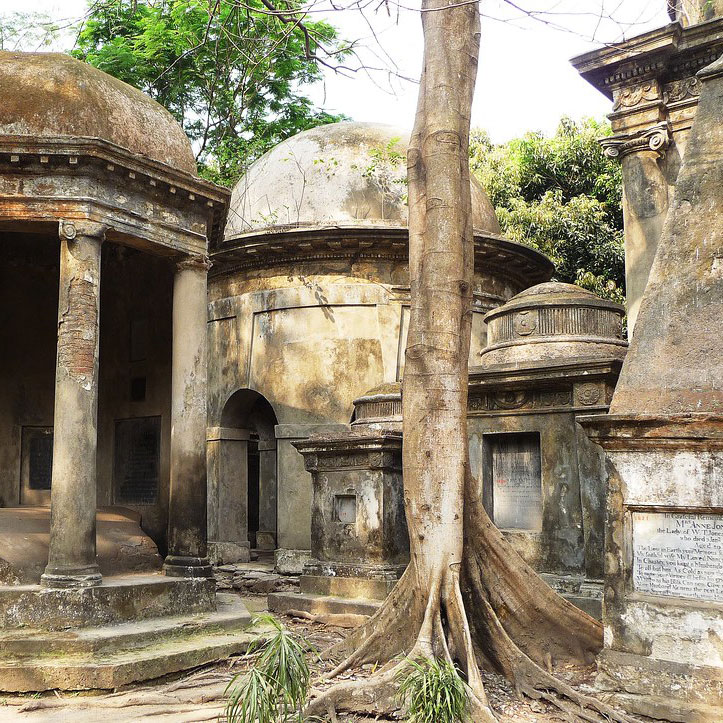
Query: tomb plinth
pixel 663 604
pixel 554 352
pixel 359 539
pixel 359 542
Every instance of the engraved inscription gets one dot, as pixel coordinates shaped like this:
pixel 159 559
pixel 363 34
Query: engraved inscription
pixel 678 554
pixel 516 481
pixel 137 460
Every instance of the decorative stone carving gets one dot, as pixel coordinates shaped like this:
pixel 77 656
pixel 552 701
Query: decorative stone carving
pixel 525 322
pixel 681 90
pixel 656 138
pixel 635 95
pixel 553 398
pixel 510 400
pixel 588 394
pixel 195 262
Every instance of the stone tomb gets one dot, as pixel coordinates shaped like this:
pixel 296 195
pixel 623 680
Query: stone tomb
pixel 651 81
pixel 554 352
pixel 104 230
pixel 309 309
pixel 359 538
pixel 663 437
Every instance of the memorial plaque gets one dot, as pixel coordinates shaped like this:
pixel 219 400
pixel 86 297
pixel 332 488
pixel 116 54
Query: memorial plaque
pixel 516 481
pixel 345 509
pixel 137 460
pixel 40 459
pixel 678 554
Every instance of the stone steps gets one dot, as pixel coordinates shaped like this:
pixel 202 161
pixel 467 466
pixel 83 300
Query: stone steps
pixel 280 602
pixel 110 656
pixel 120 599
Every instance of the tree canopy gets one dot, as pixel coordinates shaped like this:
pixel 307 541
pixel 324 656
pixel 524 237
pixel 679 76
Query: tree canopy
pixel 231 73
pixel 562 196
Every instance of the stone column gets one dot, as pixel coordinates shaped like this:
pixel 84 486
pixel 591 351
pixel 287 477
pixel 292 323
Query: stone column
pixel 71 556
pixel 228 488
pixel 266 535
pixel 645 204
pixel 187 504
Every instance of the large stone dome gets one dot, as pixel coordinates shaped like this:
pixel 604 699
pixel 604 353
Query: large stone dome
pixel 342 174
pixel 51 95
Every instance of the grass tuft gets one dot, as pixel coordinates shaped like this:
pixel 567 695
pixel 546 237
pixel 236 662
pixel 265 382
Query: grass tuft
pixel 432 691
pixel 275 689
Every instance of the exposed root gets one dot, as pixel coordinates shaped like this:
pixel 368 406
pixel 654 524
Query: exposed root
pixel 448 639
pixel 336 620
pixel 382 632
pixel 509 600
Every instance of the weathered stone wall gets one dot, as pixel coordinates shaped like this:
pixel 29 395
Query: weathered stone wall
pixel 311 337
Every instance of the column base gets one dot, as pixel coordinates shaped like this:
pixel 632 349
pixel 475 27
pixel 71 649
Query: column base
pixel 61 577
pixel 225 553
pixel 178 566
pixel 265 540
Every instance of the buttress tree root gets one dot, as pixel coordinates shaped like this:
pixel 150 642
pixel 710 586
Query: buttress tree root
pixel 466 596
pixel 516 625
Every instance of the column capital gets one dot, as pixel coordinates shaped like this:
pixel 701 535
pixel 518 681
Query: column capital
pixel 199 262
pixel 69 230
pixel 656 138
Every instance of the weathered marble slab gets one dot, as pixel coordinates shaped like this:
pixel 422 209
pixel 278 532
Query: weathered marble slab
pixel 678 554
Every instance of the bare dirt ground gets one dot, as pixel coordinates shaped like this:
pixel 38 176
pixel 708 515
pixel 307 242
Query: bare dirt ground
pixel 199 695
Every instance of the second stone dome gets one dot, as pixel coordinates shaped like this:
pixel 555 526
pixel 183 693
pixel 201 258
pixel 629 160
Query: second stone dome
pixel 338 174
pixel 553 321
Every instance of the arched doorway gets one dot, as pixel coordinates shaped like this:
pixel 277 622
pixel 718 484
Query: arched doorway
pixel 242 478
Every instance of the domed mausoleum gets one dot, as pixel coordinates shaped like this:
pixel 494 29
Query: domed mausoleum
pixel 104 231
pixel 309 306
pixel 553 353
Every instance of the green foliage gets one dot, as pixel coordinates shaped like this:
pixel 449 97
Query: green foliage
pixel 387 170
pixel 562 196
pixel 431 691
pixel 229 72
pixel 275 689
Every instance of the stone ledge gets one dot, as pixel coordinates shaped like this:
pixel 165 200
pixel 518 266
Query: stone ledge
pixel 647 686
pixel 347 587
pixel 118 600
pixel 282 602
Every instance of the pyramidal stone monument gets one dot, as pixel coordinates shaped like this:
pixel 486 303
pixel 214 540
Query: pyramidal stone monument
pixel 663 598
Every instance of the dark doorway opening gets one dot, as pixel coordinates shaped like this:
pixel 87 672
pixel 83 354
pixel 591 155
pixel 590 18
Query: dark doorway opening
pixel 253 418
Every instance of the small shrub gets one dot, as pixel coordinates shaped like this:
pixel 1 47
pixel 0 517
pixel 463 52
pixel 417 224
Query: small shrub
pixel 275 689
pixel 432 691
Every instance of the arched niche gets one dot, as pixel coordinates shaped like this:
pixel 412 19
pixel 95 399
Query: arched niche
pixel 242 478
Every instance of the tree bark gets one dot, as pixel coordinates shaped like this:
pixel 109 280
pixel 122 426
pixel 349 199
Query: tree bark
pixel 460 562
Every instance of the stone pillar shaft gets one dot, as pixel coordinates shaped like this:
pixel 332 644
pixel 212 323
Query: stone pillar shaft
pixel 645 203
pixel 228 486
pixel 645 206
pixel 187 504
pixel 266 534
pixel 72 554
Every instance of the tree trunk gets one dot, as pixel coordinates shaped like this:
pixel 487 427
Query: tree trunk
pixel 459 560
